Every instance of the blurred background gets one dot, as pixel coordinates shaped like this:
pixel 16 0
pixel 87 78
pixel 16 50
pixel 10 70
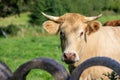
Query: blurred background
pixel 22 37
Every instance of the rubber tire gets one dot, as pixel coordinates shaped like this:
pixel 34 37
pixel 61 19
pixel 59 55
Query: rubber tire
pixel 49 65
pixel 5 72
pixel 96 61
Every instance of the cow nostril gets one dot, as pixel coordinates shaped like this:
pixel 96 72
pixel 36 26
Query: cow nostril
pixel 65 55
pixel 73 56
pixel 70 56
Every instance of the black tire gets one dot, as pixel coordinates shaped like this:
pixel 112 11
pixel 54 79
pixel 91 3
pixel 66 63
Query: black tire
pixel 49 65
pixel 96 61
pixel 5 72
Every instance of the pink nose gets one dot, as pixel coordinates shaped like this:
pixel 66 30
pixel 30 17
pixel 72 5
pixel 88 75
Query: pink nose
pixel 69 57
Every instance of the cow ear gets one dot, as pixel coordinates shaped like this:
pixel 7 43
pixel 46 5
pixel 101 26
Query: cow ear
pixel 51 27
pixel 92 27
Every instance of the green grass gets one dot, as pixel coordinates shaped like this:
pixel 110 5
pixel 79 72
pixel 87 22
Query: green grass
pixel 16 51
pixel 104 18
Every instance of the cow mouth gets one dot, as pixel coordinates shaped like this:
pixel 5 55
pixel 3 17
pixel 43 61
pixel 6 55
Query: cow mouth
pixel 69 61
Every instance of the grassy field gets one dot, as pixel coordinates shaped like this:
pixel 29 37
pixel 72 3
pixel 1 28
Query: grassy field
pixel 103 19
pixel 15 20
pixel 15 51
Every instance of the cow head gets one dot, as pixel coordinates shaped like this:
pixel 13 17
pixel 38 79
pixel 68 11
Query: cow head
pixel 74 29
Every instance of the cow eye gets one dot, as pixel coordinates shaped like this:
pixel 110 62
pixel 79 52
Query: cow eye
pixel 62 34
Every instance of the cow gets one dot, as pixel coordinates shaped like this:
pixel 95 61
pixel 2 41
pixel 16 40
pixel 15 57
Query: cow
pixel 112 23
pixel 83 38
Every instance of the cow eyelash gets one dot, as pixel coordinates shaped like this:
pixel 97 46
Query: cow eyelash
pixel 62 34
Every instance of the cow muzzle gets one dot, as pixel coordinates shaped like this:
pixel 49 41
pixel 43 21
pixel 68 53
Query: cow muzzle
pixel 69 58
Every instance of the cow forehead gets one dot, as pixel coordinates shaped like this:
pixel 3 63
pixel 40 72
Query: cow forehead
pixel 72 22
pixel 73 17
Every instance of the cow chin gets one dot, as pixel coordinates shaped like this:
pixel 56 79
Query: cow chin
pixel 69 61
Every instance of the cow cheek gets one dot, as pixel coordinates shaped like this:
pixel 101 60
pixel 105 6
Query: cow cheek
pixel 80 48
